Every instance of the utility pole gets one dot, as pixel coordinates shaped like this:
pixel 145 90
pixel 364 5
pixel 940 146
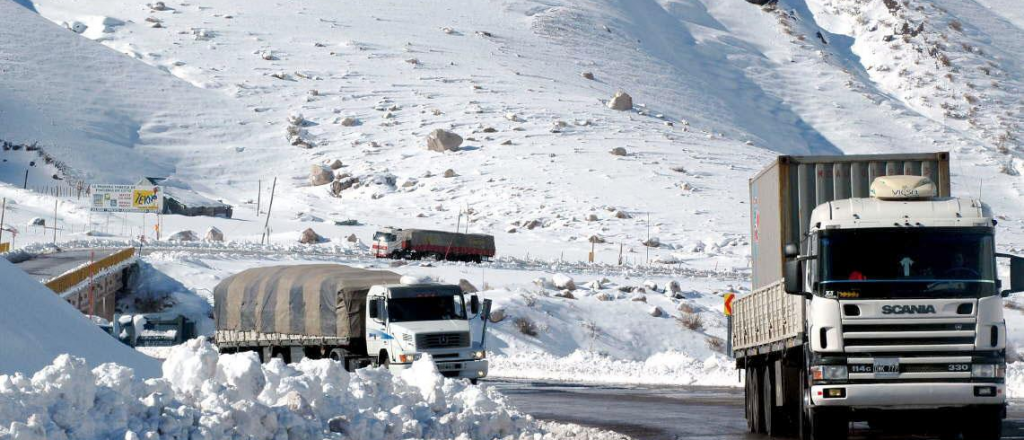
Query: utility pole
pixel 259 194
pixel 270 207
pixel 25 185
pixel 3 213
pixel 55 222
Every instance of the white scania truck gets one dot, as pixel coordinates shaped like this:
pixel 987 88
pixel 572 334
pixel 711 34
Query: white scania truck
pixel 875 298
pixel 356 316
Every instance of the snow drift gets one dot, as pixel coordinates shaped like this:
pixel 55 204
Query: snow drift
pixel 38 326
pixel 204 395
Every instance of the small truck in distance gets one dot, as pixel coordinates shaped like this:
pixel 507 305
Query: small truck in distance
pixel 355 316
pixel 875 298
pixel 415 244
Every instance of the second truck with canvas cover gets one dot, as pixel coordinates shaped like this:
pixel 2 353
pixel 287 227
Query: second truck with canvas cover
pixel 875 298
pixel 356 316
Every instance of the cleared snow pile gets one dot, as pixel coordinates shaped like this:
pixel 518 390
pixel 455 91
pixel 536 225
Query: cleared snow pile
pixel 38 326
pixel 205 395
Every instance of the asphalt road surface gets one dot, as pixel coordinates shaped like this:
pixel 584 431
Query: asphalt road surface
pixel 47 266
pixel 646 413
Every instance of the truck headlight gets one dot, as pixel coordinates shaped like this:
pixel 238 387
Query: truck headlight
pixel 988 370
pixel 479 354
pixel 829 372
pixel 403 358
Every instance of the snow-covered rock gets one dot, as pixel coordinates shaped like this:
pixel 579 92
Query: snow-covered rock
pixel 621 101
pixel 563 281
pixel 443 140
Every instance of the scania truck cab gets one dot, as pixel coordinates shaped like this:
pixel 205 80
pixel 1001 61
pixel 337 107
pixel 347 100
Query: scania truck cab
pixel 889 312
pixel 405 321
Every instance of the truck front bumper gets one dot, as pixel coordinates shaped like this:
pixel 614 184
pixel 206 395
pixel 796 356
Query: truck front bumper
pixel 910 395
pixel 466 369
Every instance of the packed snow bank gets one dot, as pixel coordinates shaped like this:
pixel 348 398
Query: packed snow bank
pixel 38 326
pixel 204 395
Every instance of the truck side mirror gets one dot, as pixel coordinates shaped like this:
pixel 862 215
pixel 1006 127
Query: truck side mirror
pixel 1016 274
pixel 794 277
pixel 374 307
pixel 474 305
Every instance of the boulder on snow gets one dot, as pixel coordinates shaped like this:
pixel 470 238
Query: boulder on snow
pixel 621 101
pixel 567 294
pixel 352 239
pixel 622 214
pixel 443 140
pixel 320 175
pixel 37 221
pixel 214 234
pixel 336 164
pixel 618 151
pixel 185 235
pixel 309 236
pixel 591 217
pixel 563 281
pixel 652 242
pixel 673 287
pixel 497 315
pixel 342 184
pixel 349 121
pixel 597 239
pixel 656 312
pixel 449 173
pixel 639 298
pixel 467 287
pixel 588 75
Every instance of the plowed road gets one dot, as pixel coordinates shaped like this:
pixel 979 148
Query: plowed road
pixel 665 413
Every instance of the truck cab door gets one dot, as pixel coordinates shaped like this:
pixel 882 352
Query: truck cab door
pixel 376 330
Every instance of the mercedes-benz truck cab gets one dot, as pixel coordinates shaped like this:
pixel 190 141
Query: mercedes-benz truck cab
pixel 406 321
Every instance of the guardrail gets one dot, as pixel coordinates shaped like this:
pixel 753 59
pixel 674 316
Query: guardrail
pixel 71 279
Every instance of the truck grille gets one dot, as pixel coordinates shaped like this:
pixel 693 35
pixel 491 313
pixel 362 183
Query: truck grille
pixel 442 340
pixel 908 336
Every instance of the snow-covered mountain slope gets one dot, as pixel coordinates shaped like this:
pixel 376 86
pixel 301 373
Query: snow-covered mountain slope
pixel 95 109
pixel 718 87
pixel 38 326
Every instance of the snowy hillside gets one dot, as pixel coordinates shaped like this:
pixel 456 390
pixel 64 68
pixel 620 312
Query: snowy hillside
pixel 224 97
pixel 38 326
pixel 718 89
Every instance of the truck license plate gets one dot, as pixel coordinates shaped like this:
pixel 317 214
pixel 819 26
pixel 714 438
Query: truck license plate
pixel 449 366
pixel 887 367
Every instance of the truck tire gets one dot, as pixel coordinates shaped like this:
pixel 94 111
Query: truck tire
pixel 985 424
pixel 827 425
pixel 772 427
pixel 755 420
pixel 803 418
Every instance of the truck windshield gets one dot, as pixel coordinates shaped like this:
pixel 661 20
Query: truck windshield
pixel 904 263
pixel 427 308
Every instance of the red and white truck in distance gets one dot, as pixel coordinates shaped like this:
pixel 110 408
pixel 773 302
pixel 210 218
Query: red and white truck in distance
pixel 415 244
pixel 875 298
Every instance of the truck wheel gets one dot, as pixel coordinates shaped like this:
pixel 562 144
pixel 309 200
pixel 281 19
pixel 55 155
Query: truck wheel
pixel 826 426
pixel 384 360
pixel 803 413
pixel 756 420
pixel 771 420
pixel 986 424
